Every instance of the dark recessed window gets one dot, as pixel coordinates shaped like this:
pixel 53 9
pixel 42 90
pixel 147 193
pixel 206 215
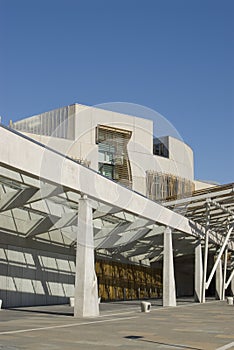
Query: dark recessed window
pixel 160 149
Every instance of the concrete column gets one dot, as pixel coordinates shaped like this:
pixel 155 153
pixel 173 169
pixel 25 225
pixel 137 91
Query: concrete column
pixel 198 273
pixel 224 273
pixel 86 289
pixel 219 281
pixel 169 291
pixel 232 286
pixel 206 253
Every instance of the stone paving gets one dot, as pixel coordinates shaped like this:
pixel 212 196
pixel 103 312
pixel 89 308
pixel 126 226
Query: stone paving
pixel 120 325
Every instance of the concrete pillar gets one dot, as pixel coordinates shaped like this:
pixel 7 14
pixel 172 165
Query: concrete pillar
pixel 169 291
pixel 224 273
pixel 206 253
pixel 86 289
pixel 219 281
pixel 198 273
pixel 232 286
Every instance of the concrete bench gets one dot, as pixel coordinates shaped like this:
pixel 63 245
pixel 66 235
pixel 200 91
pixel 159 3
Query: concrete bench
pixel 230 300
pixel 145 306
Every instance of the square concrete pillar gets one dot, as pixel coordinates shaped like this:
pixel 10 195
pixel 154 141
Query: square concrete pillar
pixel 198 274
pixel 219 281
pixel 232 286
pixel 86 288
pixel 224 273
pixel 169 291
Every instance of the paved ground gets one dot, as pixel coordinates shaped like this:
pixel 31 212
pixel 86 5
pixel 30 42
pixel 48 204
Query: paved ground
pixel 120 325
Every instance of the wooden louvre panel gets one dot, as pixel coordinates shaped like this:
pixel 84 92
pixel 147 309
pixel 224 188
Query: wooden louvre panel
pixel 117 140
pixel 104 131
pixel 161 186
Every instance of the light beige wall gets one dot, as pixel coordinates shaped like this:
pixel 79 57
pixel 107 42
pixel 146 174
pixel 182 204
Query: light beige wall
pixel 200 185
pixel 140 146
pixel 182 156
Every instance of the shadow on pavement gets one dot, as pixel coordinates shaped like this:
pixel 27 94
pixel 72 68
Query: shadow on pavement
pixel 140 338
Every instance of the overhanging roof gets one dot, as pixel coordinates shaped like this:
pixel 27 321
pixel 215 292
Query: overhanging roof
pixel 218 199
pixel 40 191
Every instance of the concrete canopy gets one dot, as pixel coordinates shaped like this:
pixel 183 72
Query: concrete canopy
pixel 43 204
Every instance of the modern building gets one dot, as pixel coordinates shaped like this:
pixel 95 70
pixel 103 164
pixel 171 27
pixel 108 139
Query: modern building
pixel 82 186
pixel 119 146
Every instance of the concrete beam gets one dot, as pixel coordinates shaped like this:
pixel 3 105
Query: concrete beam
pixel 46 191
pixel 67 219
pixel 115 235
pixel 198 198
pixel 16 199
pixel 104 210
pixel 40 226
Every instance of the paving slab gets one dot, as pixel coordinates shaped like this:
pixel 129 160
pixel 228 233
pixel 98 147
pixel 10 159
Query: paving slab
pixel 121 325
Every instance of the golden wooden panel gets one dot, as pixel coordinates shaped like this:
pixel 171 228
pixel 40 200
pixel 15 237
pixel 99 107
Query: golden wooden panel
pixel 118 281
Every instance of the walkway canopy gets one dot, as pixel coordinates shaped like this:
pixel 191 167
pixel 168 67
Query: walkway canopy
pixel 41 189
pixel 40 196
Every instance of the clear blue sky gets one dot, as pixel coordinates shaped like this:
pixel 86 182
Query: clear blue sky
pixel 174 56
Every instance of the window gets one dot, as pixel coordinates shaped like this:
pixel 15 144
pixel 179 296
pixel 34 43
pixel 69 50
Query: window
pixel 160 148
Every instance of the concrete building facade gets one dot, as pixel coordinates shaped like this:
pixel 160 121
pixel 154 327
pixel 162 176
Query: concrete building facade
pixel 119 146
pixel 80 184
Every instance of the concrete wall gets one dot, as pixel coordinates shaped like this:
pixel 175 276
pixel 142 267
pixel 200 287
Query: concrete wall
pixel 201 185
pixel 140 146
pixel 34 275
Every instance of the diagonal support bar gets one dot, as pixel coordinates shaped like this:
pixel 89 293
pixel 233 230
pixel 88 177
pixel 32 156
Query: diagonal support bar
pixel 220 206
pixel 218 258
pixel 230 279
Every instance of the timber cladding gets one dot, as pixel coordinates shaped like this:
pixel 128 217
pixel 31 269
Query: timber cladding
pixel 118 281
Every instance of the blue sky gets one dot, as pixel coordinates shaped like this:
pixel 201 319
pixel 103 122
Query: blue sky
pixel 174 56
